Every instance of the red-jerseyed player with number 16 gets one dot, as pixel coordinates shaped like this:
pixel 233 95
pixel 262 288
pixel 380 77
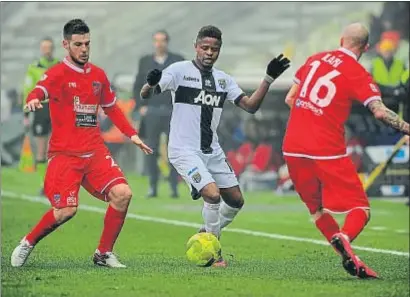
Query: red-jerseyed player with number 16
pixel 314 145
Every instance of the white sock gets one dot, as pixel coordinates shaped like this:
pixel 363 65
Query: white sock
pixel 227 214
pixel 210 213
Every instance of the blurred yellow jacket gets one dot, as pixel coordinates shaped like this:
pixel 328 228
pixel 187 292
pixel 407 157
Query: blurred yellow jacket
pixel 34 73
pixel 387 77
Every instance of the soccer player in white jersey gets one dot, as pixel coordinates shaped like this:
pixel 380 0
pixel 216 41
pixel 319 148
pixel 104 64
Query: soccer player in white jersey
pixel 198 92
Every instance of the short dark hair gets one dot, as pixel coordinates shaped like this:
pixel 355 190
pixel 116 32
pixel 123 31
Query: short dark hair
pixel 209 31
pixel 75 26
pixel 164 32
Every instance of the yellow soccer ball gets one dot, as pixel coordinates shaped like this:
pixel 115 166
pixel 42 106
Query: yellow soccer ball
pixel 203 249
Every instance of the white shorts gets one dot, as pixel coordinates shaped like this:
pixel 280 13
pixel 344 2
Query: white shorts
pixel 199 170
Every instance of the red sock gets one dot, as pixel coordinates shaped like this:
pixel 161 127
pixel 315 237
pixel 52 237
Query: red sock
pixel 354 223
pixel 46 225
pixel 327 225
pixel 113 222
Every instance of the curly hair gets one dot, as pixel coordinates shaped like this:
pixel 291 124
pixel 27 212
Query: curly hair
pixel 209 31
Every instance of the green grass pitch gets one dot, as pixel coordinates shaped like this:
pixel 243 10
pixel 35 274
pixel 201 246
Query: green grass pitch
pixel 152 245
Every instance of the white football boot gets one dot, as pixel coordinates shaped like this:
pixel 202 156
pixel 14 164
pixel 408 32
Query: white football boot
pixel 107 259
pixel 21 253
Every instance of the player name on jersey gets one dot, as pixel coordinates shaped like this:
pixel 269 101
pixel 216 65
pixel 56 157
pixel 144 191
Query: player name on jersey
pixel 328 82
pixel 332 60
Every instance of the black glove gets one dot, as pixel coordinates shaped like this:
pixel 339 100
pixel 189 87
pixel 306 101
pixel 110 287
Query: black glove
pixel 276 67
pixel 153 77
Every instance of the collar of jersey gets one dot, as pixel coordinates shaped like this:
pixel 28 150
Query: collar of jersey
pixel 348 52
pixel 86 69
pixel 205 71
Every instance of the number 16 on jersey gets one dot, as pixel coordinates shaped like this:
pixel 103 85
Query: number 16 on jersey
pixel 324 81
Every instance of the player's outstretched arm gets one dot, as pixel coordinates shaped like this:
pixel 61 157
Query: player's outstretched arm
pixel 34 99
pixel 153 78
pixel 120 121
pixel 47 87
pixel 274 69
pixel 389 117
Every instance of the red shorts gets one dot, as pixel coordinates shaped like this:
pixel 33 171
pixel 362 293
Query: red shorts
pixel 97 173
pixel 329 184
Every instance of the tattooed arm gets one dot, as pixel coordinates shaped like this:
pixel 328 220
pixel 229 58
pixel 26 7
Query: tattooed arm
pixel 389 117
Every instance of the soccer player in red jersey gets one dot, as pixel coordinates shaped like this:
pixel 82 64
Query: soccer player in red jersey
pixel 314 145
pixel 77 155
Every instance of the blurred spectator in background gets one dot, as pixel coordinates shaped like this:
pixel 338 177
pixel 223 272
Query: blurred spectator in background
pixel 41 124
pixel 156 113
pixel 387 69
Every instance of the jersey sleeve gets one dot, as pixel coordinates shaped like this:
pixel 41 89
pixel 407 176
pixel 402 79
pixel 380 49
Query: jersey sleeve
pixel 234 92
pixel 47 87
pixel 169 78
pixel 108 97
pixel 364 89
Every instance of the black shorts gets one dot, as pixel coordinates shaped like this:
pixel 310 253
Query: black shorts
pixel 42 123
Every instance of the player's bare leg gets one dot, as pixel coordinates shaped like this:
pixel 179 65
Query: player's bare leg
pixel 119 197
pixel 51 220
pixel 355 221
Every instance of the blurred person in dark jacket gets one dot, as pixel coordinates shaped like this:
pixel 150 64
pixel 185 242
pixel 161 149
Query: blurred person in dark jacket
pixel 156 113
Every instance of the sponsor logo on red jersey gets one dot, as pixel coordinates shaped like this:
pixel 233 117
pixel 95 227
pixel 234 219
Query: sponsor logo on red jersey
pixel 309 106
pixel 96 88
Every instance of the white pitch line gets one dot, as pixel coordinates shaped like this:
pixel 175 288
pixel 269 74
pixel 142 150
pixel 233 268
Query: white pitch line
pixel 378 228
pixel 43 200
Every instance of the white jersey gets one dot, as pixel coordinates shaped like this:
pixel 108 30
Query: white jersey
pixel 198 98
